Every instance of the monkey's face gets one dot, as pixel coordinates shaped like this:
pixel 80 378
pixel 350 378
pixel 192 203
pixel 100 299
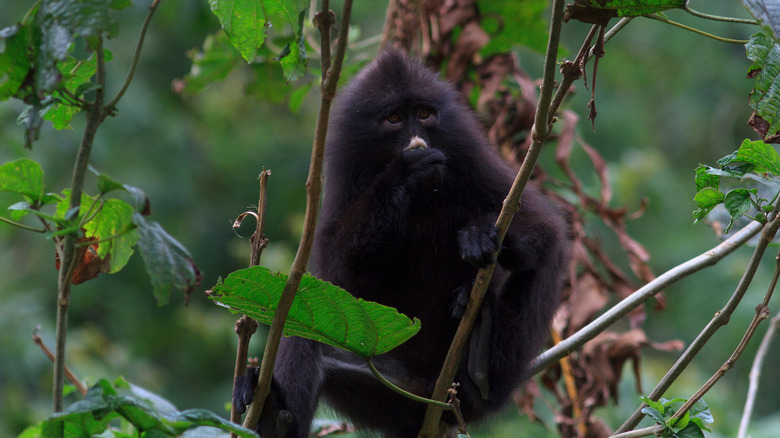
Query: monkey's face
pixel 410 127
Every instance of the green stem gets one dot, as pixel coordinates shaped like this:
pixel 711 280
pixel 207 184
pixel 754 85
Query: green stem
pixel 95 117
pixel 137 55
pixel 22 226
pixel 403 392
pixel 694 30
pixel 687 9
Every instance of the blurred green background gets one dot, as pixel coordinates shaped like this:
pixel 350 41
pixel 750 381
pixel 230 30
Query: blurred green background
pixel 667 100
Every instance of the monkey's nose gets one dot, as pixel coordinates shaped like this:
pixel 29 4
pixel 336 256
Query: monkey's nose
pixel 416 143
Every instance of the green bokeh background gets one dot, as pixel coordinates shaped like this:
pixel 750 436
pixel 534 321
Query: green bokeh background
pixel 667 100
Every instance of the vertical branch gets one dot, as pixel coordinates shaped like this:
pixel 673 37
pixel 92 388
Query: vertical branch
pixel 313 188
pixel 95 116
pixel 540 134
pixel 246 326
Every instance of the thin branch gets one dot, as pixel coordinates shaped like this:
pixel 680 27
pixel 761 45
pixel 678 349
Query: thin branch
pixel 540 133
pixel 68 373
pixel 95 116
pixel 403 392
pixel 245 326
pixel 721 319
pixel 762 313
pixel 704 260
pixel 755 375
pixel 313 186
pixel 688 9
pixel 20 225
pixel 137 56
pixel 647 431
pixel 694 30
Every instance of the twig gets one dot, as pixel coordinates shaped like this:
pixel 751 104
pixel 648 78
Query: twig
pixel 762 313
pixel 245 326
pixel 68 373
pixel 704 260
pixel 720 320
pixel 755 375
pixel 694 30
pixel 395 388
pixel 647 431
pixel 313 186
pixel 20 225
pixel 137 55
pixel 540 133
pixel 688 9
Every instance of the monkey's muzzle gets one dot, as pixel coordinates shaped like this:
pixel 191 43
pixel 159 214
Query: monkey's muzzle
pixel 416 144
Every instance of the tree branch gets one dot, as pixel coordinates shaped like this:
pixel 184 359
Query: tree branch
pixel 540 134
pixel 95 117
pixel 704 260
pixel 720 319
pixel 313 186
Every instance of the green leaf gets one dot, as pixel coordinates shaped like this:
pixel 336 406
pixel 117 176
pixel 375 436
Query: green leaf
pixel 23 176
pixel 680 423
pixel 320 311
pixel 706 179
pixel 150 414
pixel 113 227
pixel 244 22
pixel 708 197
pixel 766 13
pixel 692 430
pixel 737 201
pixel 655 414
pixel 765 97
pixel 657 405
pixel 761 155
pixel 59 22
pixel 293 57
pixel 514 23
pixel 168 263
pixel 211 64
pixel 597 11
pixel 15 60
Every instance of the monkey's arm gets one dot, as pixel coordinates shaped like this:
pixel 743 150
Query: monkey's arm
pixel 378 215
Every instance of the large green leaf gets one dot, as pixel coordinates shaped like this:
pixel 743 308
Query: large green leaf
pixel 14 59
pixel 59 22
pixel 765 97
pixel 244 22
pixel 23 176
pixel 597 11
pixel 320 311
pixel 761 155
pixel 168 262
pixel 767 14
pixel 149 414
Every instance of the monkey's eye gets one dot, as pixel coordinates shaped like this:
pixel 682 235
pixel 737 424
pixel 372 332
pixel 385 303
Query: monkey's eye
pixel 424 114
pixel 393 120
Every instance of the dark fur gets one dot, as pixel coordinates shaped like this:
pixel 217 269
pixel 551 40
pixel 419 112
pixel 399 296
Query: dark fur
pixel 407 229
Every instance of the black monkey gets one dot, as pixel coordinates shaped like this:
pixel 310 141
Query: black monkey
pixel 412 192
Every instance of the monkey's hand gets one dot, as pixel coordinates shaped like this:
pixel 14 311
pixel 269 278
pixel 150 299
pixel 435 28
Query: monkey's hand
pixel 275 420
pixel 244 389
pixel 478 243
pixel 424 166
